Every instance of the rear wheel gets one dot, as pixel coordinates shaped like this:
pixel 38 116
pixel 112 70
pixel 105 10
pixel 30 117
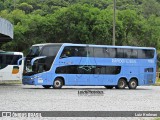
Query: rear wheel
pixel 58 83
pixel 132 84
pixel 108 87
pixel 46 86
pixel 121 84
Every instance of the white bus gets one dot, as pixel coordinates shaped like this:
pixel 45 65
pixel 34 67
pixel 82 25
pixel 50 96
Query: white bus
pixel 11 67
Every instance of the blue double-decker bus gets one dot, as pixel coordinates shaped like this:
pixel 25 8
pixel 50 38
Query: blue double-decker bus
pixel 65 64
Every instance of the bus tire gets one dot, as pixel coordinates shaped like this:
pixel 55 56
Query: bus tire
pixel 108 87
pixel 46 86
pixel 121 84
pixel 58 83
pixel 132 84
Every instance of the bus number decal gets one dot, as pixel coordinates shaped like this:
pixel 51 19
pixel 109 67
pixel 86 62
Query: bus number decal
pixel 40 80
pixel 123 61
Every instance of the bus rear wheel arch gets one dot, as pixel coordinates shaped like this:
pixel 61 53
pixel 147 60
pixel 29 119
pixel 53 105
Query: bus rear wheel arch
pixel 122 83
pixel 133 83
pixel 58 83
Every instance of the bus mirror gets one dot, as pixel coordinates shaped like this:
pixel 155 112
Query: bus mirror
pixel 23 58
pixel 36 58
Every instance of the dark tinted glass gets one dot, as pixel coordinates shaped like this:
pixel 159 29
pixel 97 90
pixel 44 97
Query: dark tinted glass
pixel 1 59
pixel 99 52
pixel 144 54
pixel 110 52
pixel 149 53
pixel 130 53
pixel 88 69
pixel 34 50
pixel 90 51
pixel 50 50
pixel 119 53
pixel 74 51
pixel 105 52
pixel 9 59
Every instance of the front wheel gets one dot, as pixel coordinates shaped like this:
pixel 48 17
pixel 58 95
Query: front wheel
pixel 121 84
pixel 58 83
pixel 132 84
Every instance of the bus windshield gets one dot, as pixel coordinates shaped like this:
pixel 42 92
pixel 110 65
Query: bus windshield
pixel 44 64
pixel 50 50
pixel 34 51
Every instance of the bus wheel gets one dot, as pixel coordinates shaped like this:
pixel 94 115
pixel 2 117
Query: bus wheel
pixel 121 84
pixel 46 86
pixel 109 87
pixel 58 83
pixel 132 84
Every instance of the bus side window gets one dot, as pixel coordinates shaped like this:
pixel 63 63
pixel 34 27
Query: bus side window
pixel 119 53
pixel 110 52
pixel 130 53
pixel 99 52
pixel 149 53
pixel 65 53
pixel 74 52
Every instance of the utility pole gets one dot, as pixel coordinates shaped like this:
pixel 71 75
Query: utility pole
pixel 114 23
pixel 14 4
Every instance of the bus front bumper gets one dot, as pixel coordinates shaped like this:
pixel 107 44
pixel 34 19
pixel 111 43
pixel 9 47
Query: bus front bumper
pixel 28 80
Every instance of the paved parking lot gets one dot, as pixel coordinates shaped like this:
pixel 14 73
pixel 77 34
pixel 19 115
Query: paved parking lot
pixel 36 98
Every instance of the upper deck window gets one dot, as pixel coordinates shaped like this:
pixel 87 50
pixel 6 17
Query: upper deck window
pixel 145 54
pixel 107 52
pixel 74 51
pixel 130 53
pixel 50 50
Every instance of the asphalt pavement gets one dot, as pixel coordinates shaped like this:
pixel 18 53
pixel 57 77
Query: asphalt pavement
pixel 78 98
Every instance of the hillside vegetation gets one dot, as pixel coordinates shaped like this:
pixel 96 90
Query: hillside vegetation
pixel 81 21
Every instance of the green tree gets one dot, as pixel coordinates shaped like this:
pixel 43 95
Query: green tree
pixel 25 7
pixel 151 7
pixel 74 24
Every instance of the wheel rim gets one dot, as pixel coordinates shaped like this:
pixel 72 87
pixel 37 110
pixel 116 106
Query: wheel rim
pixel 57 83
pixel 122 84
pixel 133 84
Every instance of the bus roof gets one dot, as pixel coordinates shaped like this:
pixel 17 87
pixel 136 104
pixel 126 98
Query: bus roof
pixel 9 53
pixel 47 44
pixel 93 45
pixel 111 46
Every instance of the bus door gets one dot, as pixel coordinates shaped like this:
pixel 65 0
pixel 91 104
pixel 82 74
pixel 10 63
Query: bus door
pixel 149 75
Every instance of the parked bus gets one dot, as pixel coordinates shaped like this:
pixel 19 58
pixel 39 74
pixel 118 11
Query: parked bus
pixel 66 64
pixel 9 67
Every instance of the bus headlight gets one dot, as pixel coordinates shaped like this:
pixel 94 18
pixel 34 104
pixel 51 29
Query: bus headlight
pixel 34 77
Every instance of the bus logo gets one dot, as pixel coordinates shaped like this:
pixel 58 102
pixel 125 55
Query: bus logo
pixel 6 114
